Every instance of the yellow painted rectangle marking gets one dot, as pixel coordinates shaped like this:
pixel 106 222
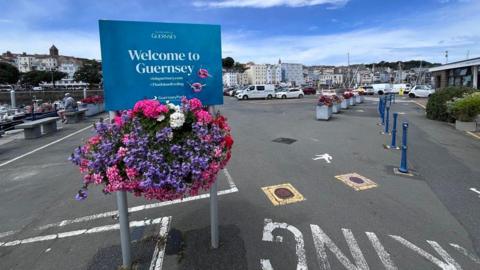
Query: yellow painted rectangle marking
pixel 270 193
pixel 367 183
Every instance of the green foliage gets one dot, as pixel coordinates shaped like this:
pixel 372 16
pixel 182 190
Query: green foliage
pixel 35 77
pixel 228 62
pixel 437 103
pixel 467 108
pixel 9 74
pixel 90 72
pixel 405 65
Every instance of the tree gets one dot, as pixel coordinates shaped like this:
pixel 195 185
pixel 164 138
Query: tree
pixel 9 74
pixel 228 62
pixel 90 72
pixel 35 77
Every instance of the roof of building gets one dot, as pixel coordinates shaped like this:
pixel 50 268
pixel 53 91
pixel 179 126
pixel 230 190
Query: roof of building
pixel 458 64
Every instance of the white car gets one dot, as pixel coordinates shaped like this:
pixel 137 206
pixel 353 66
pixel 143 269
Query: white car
pixel 421 91
pixel 290 93
pixel 266 91
pixel 330 92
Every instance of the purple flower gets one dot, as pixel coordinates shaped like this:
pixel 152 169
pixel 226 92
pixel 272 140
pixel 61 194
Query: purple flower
pixel 81 195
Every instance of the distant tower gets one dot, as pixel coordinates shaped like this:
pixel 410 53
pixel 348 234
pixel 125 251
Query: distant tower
pixel 53 51
pixel 279 61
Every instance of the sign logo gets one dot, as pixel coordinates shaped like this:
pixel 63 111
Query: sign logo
pixel 163 35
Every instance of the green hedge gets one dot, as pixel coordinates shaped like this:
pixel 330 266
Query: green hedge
pixel 467 108
pixel 437 103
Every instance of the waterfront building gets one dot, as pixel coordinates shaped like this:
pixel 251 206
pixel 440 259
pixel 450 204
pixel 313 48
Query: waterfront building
pixel 461 73
pixel 230 79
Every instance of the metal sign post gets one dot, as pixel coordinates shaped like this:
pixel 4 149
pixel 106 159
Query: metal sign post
pixel 213 205
pixel 123 218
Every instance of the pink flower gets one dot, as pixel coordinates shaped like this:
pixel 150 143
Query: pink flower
pixel 203 117
pixel 131 173
pixel 94 140
pixel 113 174
pixel 127 138
pixel 203 73
pixel 197 87
pixel 195 104
pixel 118 121
pixel 122 151
pixel 218 152
pixel 150 108
pixel 97 178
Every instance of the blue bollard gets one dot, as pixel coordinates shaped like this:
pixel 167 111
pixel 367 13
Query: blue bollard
pixel 403 163
pixel 387 120
pixel 393 145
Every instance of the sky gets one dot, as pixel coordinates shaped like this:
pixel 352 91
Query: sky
pixel 311 32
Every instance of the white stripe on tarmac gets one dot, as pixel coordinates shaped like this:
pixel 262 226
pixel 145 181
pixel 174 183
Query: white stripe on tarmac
pixel 157 258
pixel 133 224
pixel 381 252
pixel 45 146
pixel 62 223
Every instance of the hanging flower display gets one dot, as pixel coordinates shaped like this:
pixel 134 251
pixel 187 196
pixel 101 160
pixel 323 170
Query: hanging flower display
pixel 159 151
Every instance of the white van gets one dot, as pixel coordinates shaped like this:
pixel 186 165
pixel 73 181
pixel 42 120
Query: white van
pixel 405 86
pixel 382 88
pixel 266 91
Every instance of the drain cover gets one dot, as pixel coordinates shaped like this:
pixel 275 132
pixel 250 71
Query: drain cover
pixel 357 180
pixel 284 140
pixel 283 193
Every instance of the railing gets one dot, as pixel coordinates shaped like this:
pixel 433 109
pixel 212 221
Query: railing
pixel 25 97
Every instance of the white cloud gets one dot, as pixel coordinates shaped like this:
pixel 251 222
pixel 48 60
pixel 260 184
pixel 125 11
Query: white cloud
pixel 267 3
pixel 410 40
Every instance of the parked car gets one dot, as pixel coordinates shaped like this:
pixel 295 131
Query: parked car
pixel 366 89
pixel 37 88
pixel 382 88
pixel 266 91
pixel 328 92
pixel 309 91
pixel 421 91
pixel 290 93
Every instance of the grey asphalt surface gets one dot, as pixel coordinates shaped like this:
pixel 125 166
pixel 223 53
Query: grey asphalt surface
pixel 436 204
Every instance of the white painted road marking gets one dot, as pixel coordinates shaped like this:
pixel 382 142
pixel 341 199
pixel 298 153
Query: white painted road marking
pixel 476 191
pixel 325 156
pixel 157 258
pixel 381 252
pixel 268 229
pixel 133 224
pixel 233 188
pixel 449 264
pixel 45 146
pixel 321 240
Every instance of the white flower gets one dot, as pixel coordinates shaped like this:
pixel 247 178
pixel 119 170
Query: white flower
pixel 160 118
pixel 172 106
pixel 177 119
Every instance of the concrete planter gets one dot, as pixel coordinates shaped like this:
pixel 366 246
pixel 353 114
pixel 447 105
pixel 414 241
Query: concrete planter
pixel 466 126
pixel 336 107
pixel 323 112
pixel 359 99
pixel 93 109
pixel 344 104
pixel 351 101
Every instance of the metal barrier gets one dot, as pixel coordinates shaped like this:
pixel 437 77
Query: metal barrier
pixel 403 163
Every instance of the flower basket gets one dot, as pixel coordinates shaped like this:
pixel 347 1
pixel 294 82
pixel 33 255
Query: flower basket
pixel 93 104
pixel 351 101
pixel 345 103
pixel 336 104
pixel 323 112
pixel 158 151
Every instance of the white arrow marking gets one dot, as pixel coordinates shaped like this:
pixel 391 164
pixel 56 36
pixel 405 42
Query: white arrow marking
pixel 325 156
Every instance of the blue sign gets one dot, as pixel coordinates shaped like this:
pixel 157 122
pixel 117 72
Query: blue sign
pixel 167 61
